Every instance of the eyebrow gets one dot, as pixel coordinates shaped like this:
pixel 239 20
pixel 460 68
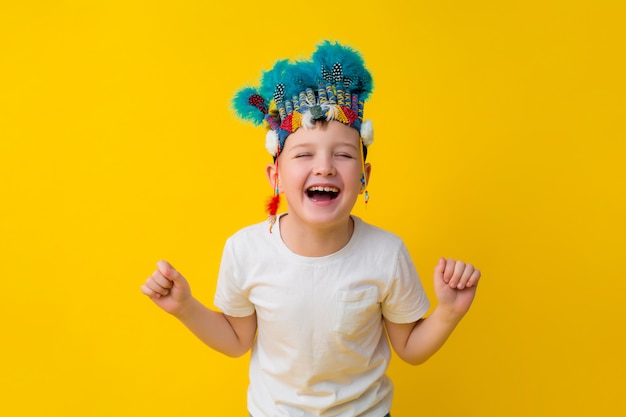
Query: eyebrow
pixel 309 144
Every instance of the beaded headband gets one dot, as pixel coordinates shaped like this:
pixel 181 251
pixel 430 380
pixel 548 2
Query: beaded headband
pixel 332 85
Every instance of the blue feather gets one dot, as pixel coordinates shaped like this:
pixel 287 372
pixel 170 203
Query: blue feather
pixel 299 77
pixel 270 79
pixel 245 109
pixel 352 64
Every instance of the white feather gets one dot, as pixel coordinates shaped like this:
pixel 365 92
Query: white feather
pixel 271 142
pixel 367 132
pixel 331 110
pixel 307 119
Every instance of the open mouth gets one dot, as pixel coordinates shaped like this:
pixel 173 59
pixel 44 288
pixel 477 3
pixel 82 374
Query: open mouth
pixel 318 193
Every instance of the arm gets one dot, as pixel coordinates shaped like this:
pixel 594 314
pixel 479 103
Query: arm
pixel 455 288
pixel 232 336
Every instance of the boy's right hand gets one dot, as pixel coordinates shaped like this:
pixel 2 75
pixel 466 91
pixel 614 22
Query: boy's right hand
pixel 167 288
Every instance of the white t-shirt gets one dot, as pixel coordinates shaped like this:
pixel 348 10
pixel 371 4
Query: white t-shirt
pixel 321 348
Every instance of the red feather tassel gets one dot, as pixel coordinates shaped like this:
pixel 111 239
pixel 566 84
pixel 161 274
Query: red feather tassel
pixel 272 205
pixel 272 209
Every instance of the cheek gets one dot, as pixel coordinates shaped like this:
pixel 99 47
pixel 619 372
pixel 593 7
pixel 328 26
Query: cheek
pixel 291 174
pixel 289 183
pixel 355 173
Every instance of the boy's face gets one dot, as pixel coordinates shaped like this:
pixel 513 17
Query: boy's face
pixel 319 172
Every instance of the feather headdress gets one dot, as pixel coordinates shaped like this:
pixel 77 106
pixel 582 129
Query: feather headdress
pixel 332 85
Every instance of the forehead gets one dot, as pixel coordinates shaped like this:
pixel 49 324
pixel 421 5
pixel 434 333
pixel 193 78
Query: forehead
pixel 332 133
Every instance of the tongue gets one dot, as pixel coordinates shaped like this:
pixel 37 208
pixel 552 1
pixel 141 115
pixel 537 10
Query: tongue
pixel 319 196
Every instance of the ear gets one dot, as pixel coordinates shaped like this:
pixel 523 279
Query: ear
pixel 271 171
pixel 368 172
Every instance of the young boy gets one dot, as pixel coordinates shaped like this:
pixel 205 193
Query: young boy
pixel 316 294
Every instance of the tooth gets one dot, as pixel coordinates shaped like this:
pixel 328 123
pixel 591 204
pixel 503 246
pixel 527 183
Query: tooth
pixel 323 189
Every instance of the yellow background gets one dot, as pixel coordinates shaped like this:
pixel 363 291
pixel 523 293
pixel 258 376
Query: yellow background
pixel 499 140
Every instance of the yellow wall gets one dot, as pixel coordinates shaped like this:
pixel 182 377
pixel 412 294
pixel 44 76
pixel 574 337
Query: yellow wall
pixel 499 139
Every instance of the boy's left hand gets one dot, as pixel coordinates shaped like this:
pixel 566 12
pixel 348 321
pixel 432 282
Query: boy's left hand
pixel 455 285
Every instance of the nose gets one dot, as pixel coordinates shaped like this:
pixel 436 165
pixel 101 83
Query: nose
pixel 324 166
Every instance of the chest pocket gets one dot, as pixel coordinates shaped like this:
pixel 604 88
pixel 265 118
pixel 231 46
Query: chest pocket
pixel 356 309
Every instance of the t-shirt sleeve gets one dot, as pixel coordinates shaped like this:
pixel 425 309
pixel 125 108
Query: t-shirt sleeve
pixel 405 301
pixel 230 296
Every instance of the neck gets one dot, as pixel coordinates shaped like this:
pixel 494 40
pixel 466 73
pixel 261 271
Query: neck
pixel 312 240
